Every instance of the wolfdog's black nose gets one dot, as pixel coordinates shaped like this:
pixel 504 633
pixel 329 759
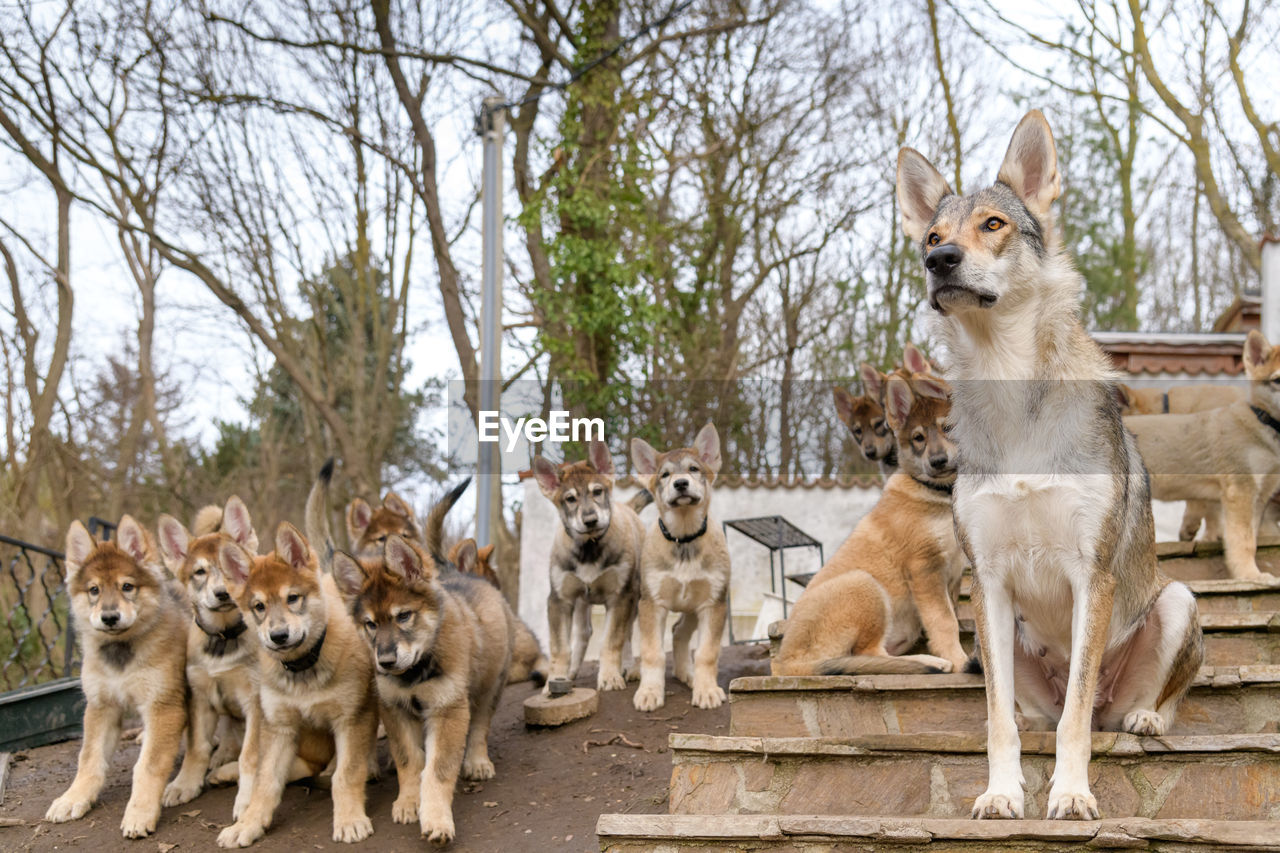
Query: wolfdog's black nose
pixel 944 259
pixel 939 462
pixel 222 595
pixel 110 619
pixel 278 637
pixel 681 485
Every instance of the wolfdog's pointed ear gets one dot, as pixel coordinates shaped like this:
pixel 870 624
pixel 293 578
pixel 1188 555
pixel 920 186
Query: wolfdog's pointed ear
pixel 707 445
pixel 403 560
pixel 914 360
pixel 920 188
pixel 601 459
pixel 1256 349
pixel 467 556
pixel 173 541
pixel 348 574
pixel 872 381
pixel 237 524
pixel 644 457
pixel 79 546
pixel 132 540
pixel 359 514
pixel 235 563
pixel 897 402
pixel 844 404
pixel 397 504
pixel 1030 165
pixel 547 475
pixel 292 547
pixel 931 386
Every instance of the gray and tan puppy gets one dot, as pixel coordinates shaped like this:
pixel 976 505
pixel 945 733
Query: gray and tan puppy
pixel 1075 622
pixel 594 560
pixel 1229 456
pixel 684 568
pixel 132 627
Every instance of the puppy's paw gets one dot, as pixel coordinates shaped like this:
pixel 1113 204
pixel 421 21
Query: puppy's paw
pixel 996 806
pixel 708 695
pixel 240 834
pixel 405 808
pixel 227 774
pixel 438 829
pixel 1072 806
pixel 180 791
pixel 138 822
pixel 67 808
pixel 477 769
pixel 648 698
pixel 351 831
pixel 611 681
pixel 1144 723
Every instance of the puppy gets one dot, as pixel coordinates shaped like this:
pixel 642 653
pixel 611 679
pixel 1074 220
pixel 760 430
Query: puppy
pixel 368 528
pixel 314 671
pixel 132 627
pixel 528 663
pixel 684 568
pixel 1229 456
pixel 864 416
pixel 900 570
pixel 594 560
pixel 441 647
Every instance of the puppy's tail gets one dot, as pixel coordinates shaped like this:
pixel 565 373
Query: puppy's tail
pixel 640 500
pixel 208 520
pixel 878 665
pixel 318 532
pixel 435 522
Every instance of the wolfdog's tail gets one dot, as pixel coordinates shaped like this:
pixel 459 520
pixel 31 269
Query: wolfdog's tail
pixel 318 532
pixel 879 665
pixel 434 528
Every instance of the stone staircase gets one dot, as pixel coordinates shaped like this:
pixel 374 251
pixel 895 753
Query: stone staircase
pixel 893 763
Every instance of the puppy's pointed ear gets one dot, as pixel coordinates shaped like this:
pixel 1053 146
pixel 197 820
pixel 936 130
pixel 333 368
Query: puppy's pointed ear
pixel 1030 165
pixel 644 457
pixel 174 540
pixel 131 539
pixel 872 380
pixel 403 560
pixel 1124 396
pixel 359 514
pixel 79 546
pixel 601 459
pixel 914 360
pixel 921 188
pixel 1256 350
pixel 236 564
pixel 467 556
pixel 547 475
pixel 237 524
pixel 292 547
pixel 348 574
pixel 397 504
pixel 897 402
pixel 844 404
pixel 485 553
pixel 931 386
pixel 707 445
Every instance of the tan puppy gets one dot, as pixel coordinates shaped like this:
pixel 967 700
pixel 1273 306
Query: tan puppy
pixel 899 571
pixel 684 568
pixel 132 627
pixel 864 416
pixel 222 656
pixel 1230 455
pixel 528 663
pixel 315 671
pixel 441 648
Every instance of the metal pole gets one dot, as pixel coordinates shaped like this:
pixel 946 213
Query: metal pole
pixel 1271 288
pixel 489 467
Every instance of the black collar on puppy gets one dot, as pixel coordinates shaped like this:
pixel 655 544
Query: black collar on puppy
pixel 218 641
pixel 1265 416
pixel 937 487
pixel 304 663
pixel 1165 403
pixel 425 669
pixel 682 540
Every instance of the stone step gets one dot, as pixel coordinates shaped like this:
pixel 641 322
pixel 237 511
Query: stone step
pixel 1230 638
pixel 1223 700
pixel 1212 596
pixel 1223 777
pixel 656 833
pixel 1186 561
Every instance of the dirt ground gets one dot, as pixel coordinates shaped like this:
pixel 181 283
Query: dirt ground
pixel 551 785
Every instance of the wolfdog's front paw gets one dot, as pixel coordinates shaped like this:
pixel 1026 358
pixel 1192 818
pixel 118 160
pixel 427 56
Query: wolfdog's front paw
pixel 438 829
pixel 240 834
pixel 709 695
pixel 242 802
pixel 996 806
pixel 648 698
pixel 1144 723
pixel 477 769
pixel 180 791
pixel 405 808
pixel 67 808
pixel 1078 806
pixel 351 831
pixel 611 680
pixel 227 774
pixel 139 822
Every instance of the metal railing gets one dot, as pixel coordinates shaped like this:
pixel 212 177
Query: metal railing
pixel 37 642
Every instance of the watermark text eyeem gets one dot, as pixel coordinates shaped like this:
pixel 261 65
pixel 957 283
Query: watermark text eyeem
pixel 558 427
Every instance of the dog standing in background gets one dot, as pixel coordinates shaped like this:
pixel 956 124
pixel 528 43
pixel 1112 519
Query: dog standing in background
pixel 1051 499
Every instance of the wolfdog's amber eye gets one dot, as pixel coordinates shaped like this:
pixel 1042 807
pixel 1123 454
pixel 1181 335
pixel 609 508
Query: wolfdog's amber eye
pixel 404 616
pixel 293 598
pixel 126 587
pixel 93 590
pixel 994 223
pixel 933 239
